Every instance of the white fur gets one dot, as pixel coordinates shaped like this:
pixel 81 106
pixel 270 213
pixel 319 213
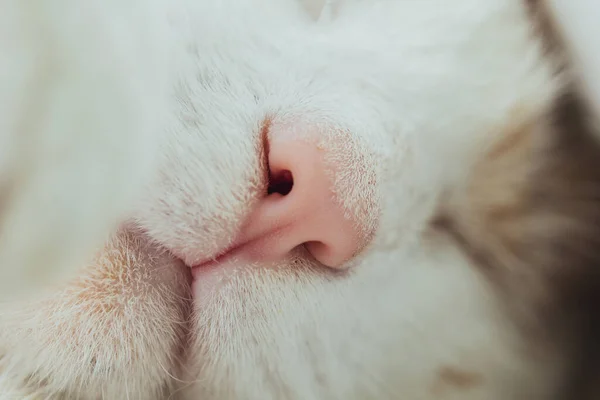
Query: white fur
pixel 403 96
pixel 74 106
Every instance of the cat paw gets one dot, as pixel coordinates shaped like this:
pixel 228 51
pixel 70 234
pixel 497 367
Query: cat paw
pixel 80 102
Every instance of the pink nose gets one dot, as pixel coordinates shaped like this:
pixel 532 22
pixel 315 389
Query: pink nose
pixel 300 209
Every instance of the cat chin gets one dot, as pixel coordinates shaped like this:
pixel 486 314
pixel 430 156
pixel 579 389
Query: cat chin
pixel 208 277
pixel 223 279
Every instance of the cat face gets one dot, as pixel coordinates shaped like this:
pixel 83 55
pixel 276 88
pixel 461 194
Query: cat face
pixel 302 168
pixel 389 117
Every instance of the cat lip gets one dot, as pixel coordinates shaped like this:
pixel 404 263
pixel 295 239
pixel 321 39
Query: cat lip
pixel 219 257
pixel 215 258
pixel 209 270
pixel 236 255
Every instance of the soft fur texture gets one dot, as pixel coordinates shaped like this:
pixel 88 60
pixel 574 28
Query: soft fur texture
pixel 79 128
pixel 450 138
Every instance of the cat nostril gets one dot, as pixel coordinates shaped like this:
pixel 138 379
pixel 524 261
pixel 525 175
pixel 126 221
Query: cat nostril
pixel 281 183
pixel 301 208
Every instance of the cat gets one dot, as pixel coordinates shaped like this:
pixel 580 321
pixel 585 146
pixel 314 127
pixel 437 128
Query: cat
pixel 74 107
pixel 396 201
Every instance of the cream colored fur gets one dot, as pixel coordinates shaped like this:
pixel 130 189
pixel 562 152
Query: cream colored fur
pixel 79 127
pixel 404 95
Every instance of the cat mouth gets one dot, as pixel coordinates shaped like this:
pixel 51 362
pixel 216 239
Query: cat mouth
pixel 238 256
pixel 231 255
pixel 215 259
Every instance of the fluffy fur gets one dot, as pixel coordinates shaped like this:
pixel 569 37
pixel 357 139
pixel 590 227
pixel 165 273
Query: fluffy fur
pixel 448 134
pixel 74 107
